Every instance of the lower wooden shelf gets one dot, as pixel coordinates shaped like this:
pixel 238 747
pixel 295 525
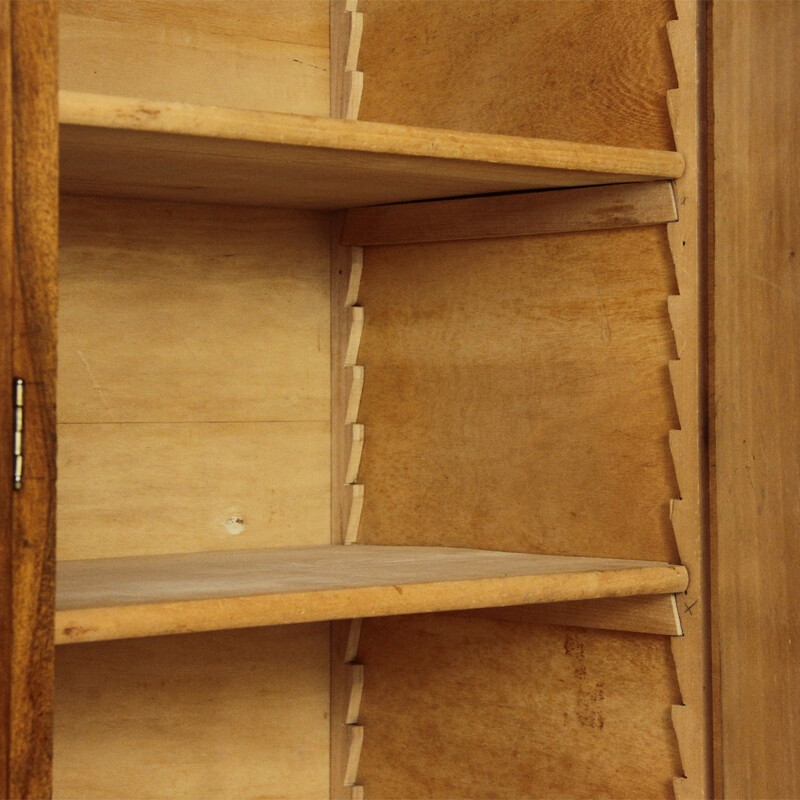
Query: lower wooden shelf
pixel 117 598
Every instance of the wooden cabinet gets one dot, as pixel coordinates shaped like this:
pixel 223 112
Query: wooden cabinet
pixel 381 467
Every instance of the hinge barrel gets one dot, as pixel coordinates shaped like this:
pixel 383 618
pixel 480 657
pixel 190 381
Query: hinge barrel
pixel 19 414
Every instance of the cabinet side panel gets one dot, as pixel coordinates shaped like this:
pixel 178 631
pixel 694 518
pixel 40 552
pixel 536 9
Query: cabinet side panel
pixel 756 289
pixel 561 69
pixel 518 398
pixel 226 714
pixel 518 395
pixel 497 709
pixel 194 378
pixel 270 55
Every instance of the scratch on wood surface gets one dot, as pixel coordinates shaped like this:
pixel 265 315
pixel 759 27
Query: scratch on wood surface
pixel 96 384
pixel 783 291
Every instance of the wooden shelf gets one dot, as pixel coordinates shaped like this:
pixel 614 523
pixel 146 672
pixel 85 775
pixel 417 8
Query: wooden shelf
pixel 134 148
pixel 127 597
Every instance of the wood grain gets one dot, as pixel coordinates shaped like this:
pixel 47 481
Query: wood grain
pixel 756 284
pixel 181 313
pixel 526 214
pixel 6 397
pixel 194 378
pixel 346 497
pixel 148 595
pixel 258 158
pixel 347 25
pixel 688 444
pixel 557 712
pixel 346 263
pixel 149 488
pixel 517 394
pixel 582 71
pixel 225 714
pixel 27 75
pixel 647 614
pixel 261 54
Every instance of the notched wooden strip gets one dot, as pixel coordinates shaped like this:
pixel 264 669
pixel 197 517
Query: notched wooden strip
pixel 354 438
pixel 354 338
pixel 677 446
pixel 676 311
pixel 355 739
pixel 354 387
pixel 355 91
pixel 676 370
pixel 682 246
pixel 354 278
pixel 353 639
pixel 356 678
pixel 354 504
pixel 356 25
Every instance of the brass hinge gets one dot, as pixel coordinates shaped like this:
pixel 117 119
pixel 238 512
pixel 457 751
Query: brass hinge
pixel 19 404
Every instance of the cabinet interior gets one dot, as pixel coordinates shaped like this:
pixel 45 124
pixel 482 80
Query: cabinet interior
pixel 516 398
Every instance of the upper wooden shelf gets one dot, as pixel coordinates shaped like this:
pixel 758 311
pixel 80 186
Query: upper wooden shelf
pixel 144 596
pixel 135 148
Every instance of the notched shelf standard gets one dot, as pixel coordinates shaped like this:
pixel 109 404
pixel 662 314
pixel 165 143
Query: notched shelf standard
pixel 118 598
pixel 128 147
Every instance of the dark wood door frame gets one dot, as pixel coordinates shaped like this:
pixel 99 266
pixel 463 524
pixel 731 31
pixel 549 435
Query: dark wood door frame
pixel 28 267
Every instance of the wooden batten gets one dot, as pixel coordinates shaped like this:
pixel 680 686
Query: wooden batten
pixel 347 83
pixel 347 678
pixel 347 685
pixel 525 214
pixel 691 652
pixel 649 614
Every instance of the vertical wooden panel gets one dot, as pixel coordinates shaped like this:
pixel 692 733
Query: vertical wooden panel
pixel 756 61
pixel 228 714
pixel 26 646
pixel 264 54
pixel 491 709
pixel 517 394
pixel 582 70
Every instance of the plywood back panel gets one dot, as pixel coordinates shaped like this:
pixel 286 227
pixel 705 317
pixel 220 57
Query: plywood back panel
pixel 498 709
pixel 263 54
pixel 227 714
pixel 193 378
pixel 594 71
pixel 517 394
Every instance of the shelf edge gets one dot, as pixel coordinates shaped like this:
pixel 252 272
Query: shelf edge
pixel 121 622
pixel 78 109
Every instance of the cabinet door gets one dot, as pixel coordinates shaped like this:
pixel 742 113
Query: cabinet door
pixel 28 259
